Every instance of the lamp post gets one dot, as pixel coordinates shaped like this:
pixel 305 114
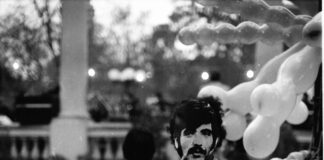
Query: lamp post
pixel 127 74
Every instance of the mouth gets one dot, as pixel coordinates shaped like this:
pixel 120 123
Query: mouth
pixel 197 155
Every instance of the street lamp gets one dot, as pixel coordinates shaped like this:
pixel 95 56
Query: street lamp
pixel 205 76
pixel 126 77
pixel 140 76
pixel 15 65
pixel 127 74
pixel 91 72
pixel 250 73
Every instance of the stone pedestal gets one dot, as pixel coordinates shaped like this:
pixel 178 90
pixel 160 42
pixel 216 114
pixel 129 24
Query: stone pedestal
pixel 68 137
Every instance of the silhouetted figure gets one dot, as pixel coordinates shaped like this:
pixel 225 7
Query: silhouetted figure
pixel 139 145
pixel 162 103
pixel 99 112
pixel 131 103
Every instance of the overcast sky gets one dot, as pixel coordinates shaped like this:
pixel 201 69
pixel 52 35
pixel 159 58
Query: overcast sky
pixel 159 10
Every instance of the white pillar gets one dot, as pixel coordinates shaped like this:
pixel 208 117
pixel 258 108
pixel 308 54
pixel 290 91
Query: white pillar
pixel 68 132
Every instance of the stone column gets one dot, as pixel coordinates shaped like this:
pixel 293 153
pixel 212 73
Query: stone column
pixel 68 132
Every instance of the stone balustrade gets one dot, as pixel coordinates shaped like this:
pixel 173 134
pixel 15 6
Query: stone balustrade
pixel 105 142
pixel 32 142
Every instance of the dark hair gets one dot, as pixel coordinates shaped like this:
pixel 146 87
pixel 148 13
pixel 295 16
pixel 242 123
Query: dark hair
pixel 139 145
pixel 193 113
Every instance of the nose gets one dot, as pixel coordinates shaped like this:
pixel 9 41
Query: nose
pixel 197 140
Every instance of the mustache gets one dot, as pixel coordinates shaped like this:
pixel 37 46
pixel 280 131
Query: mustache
pixel 196 149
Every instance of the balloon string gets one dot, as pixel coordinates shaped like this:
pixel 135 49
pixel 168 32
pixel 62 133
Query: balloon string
pixel 319 152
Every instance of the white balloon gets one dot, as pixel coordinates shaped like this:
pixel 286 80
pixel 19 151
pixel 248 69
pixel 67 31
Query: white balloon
pixel 268 73
pixel 288 96
pixel 239 97
pixel 186 36
pixel 301 68
pixel 299 114
pixel 261 137
pixel 234 125
pixel 205 35
pixel 265 100
pixel 312 31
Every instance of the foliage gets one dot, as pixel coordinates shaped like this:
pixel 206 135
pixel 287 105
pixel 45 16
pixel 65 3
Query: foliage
pixel 123 40
pixel 29 49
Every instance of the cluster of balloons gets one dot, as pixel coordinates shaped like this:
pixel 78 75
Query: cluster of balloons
pixel 278 23
pixel 246 32
pixel 274 95
pixel 258 11
pixel 276 102
pixel 237 100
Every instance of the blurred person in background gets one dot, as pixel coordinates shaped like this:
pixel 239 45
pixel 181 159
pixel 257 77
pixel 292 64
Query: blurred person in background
pixel 139 145
pixel 196 128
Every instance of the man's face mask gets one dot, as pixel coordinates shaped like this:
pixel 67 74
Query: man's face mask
pixel 196 144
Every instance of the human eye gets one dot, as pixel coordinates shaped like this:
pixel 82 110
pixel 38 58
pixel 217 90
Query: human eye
pixel 188 132
pixel 206 132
